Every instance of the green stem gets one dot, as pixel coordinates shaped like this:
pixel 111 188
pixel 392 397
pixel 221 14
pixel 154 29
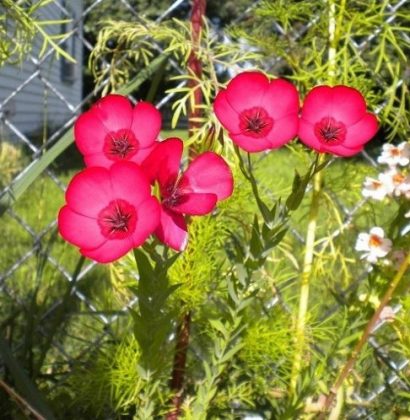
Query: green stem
pixel 333 27
pixel 332 42
pixel 306 272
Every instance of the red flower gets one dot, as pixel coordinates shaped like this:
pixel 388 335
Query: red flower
pixel 112 130
pixel 194 192
pixel 259 114
pixel 334 120
pixel 108 211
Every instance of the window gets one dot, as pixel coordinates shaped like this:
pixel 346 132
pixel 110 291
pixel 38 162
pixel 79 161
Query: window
pixel 67 68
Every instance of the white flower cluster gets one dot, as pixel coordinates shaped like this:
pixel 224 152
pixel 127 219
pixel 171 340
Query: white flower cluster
pixel 393 182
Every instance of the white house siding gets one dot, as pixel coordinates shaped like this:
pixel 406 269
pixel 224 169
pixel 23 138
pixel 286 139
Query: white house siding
pixel 36 103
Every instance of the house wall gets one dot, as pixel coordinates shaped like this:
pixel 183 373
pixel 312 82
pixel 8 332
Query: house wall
pixel 36 103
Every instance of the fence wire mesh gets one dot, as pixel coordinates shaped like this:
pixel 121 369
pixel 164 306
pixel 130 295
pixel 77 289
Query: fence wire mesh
pixel 36 256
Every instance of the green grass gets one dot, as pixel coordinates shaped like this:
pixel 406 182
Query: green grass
pixel 36 285
pixel 39 206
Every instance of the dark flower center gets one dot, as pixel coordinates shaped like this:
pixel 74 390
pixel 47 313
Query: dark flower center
pixel 330 132
pixel 255 122
pixel 171 194
pixel 117 220
pixel 120 145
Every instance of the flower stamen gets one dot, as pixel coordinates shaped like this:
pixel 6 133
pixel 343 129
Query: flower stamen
pixel 330 132
pixel 255 122
pixel 117 220
pixel 120 145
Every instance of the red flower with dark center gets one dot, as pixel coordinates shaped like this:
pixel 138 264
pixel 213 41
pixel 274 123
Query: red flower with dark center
pixel 334 120
pixel 108 211
pixel 117 220
pixel 112 130
pixel 255 122
pixel 196 191
pixel 121 145
pixel 259 113
pixel 330 132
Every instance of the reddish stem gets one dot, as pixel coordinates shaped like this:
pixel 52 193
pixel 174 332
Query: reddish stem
pixel 194 64
pixel 365 336
pixel 195 69
pixel 178 372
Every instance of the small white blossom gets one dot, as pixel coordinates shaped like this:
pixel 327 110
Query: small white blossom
pixel 407 214
pixel 396 181
pixel 376 189
pixel 387 314
pixel 373 245
pixel 395 155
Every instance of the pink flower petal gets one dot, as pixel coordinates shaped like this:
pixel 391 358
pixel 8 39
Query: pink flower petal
pixel 89 133
pixel 163 162
pixel 148 215
pixel 100 159
pixel 361 132
pixel 79 230
pixel 227 116
pixel 172 230
pixel 246 90
pixel 146 123
pixel 195 204
pixel 348 105
pixel 129 183
pixel 109 251
pixel 114 111
pixel 317 104
pixel 283 131
pixel 280 99
pixel 143 154
pixel 308 137
pixel 97 159
pixel 89 191
pixel 250 144
pixel 343 151
pixel 209 173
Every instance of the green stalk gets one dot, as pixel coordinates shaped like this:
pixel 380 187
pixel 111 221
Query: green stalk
pixel 306 272
pixel 312 222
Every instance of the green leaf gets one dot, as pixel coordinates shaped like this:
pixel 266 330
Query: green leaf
pixel 256 246
pixel 154 319
pixel 217 325
pixel 298 191
pixel 231 353
pixel 144 266
pixel 23 383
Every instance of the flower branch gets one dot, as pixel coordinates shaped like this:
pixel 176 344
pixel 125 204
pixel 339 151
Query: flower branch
pixel 306 273
pixel 346 370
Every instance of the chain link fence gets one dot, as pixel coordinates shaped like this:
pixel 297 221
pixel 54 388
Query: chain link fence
pixel 36 255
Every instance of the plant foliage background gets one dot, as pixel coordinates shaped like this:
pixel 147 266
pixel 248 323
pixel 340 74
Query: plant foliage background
pixel 78 331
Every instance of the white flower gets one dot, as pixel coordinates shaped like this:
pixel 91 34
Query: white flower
pixel 396 181
pixel 373 244
pixel 395 155
pixel 376 189
pixel 407 214
pixel 387 314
